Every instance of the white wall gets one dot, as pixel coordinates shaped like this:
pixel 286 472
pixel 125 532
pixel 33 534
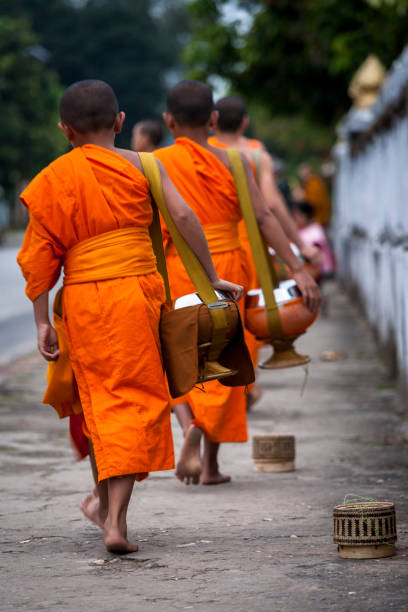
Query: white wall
pixel 371 219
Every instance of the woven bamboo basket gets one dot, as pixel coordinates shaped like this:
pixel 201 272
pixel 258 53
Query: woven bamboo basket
pixel 365 530
pixel 274 453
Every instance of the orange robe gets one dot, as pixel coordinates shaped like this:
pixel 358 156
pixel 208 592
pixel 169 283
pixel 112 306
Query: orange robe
pixel 208 187
pixel 318 197
pixel 111 325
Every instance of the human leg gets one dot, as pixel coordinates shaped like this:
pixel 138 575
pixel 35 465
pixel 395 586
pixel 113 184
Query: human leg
pixel 210 472
pixel 119 490
pixel 189 464
pixel 95 504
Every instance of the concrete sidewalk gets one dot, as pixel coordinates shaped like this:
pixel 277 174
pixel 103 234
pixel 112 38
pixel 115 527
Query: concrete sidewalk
pixel 261 543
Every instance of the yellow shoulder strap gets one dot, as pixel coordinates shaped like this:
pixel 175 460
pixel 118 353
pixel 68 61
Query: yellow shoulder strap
pixel 191 263
pixel 157 242
pixel 262 259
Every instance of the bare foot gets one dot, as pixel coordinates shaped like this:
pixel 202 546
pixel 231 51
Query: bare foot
pixel 215 478
pixel 116 543
pixel 189 464
pixel 90 507
pixel 253 396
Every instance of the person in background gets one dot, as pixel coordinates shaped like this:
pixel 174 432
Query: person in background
pixel 147 135
pixel 232 122
pixel 229 130
pixel 314 191
pixel 313 234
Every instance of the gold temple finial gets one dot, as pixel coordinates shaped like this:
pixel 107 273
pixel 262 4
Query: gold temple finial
pixel 367 82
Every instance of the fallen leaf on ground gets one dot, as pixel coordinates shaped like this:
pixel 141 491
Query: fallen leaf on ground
pixel 333 355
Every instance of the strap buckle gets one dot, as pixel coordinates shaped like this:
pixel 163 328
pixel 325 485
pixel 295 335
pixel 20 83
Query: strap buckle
pixel 214 305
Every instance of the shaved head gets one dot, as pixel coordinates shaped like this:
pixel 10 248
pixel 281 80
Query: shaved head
pixel 151 128
pixel 191 103
pixel 231 112
pixel 89 106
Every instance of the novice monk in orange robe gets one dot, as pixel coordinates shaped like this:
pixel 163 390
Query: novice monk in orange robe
pixel 229 130
pixel 316 193
pixel 201 174
pixel 90 212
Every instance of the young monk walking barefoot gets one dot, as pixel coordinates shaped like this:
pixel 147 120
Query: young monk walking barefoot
pixel 201 174
pixel 90 212
pixel 230 128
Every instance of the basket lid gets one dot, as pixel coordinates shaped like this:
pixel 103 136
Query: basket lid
pixel 356 507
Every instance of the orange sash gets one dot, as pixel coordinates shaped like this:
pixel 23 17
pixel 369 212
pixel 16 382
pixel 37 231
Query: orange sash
pixel 221 237
pixel 117 254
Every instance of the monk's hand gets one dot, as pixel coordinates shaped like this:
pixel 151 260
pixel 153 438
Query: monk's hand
pixel 235 291
pixel 308 288
pixel 47 341
pixel 312 254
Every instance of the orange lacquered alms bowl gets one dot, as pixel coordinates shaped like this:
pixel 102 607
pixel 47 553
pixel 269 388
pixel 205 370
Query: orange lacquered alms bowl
pixel 295 319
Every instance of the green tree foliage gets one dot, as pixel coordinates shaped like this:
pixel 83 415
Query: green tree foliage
pixel 298 56
pixel 294 138
pixel 29 94
pixel 131 44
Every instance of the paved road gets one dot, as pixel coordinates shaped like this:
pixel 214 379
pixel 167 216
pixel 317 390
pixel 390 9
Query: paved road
pixel 262 543
pixel 17 329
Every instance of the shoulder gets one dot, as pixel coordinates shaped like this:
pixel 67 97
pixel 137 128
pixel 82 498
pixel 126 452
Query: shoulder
pixel 222 155
pixel 165 152
pixel 130 156
pixel 57 169
pixel 256 144
pixel 57 165
pixel 219 152
pixel 246 162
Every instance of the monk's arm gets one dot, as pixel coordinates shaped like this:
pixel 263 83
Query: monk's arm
pixel 46 334
pixel 276 238
pixel 274 200
pixel 190 228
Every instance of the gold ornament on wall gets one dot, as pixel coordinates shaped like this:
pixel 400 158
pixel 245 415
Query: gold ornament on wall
pixel 367 82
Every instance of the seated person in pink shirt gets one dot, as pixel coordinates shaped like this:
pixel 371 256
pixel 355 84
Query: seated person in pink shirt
pixel 313 234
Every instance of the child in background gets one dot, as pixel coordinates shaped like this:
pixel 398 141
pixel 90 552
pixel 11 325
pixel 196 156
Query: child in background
pixel 147 135
pixel 313 234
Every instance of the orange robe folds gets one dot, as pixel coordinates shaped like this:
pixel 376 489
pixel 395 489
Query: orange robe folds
pixel 111 325
pixel 208 187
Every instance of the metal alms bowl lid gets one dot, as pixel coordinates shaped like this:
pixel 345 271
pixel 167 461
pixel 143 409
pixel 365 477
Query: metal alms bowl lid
pixel 286 292
pixel 193 299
